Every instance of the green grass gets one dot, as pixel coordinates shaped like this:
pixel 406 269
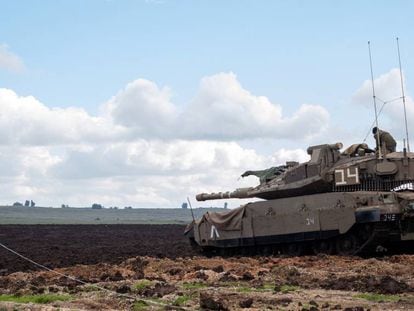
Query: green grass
pixel 194 285
pixel 182 300
pixel 142 284
pixel 287 288
pixel 43 298
pixel 378 297
pixel 140 306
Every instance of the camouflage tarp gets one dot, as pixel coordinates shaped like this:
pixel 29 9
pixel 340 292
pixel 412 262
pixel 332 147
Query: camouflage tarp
pixel 227 221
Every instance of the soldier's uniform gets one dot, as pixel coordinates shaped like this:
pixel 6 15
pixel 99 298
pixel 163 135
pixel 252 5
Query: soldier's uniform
pixel 384 138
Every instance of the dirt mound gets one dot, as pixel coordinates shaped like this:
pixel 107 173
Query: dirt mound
pixel 367 283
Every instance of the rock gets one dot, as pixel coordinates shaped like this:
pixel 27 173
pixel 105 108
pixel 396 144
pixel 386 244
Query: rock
pixel 247 303
pixel 218 269
pixel 337 307
pixel 53 289
pixel 247 276
pixel 123 289
pixel 227 277
pixel 159 290
pixel 313 303
pixel 201 275
pixel 284 301
pixel 325 305
pixel 116 277
pixel 175 271
pixel 208 302
pixel 354 309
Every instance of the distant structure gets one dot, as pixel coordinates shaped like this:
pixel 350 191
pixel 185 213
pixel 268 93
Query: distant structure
pixel 27 203
pixel 96 206
pixel 184 205
pixel 225 205
pixel 32 203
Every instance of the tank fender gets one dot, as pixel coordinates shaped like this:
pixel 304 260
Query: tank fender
pixel 373 215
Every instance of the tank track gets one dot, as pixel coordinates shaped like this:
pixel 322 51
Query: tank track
pixel 362 239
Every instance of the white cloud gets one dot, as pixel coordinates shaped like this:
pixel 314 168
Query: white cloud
pixel 10 61
pixel 221 110
pixel 26 121
pixel 388 88
pixel 142 149
pixel 144 107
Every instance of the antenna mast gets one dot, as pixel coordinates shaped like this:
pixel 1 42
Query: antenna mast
pixel 375 101
pixel 403 97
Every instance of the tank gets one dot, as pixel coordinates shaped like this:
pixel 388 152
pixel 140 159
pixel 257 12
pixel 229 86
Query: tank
pixel 349 202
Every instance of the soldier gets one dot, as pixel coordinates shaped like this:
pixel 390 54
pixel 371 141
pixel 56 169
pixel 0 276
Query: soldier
pixel 384 138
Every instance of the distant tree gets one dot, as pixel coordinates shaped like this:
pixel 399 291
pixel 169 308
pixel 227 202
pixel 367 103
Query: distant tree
pixel 65 206
pixel 225 205
pixel 27 203
pixel 128 207
pixel 96 206
pixel 32 203
pixel 184 205
pixel 17 204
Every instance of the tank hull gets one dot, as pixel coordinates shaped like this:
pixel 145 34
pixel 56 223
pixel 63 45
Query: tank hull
pixel 343 222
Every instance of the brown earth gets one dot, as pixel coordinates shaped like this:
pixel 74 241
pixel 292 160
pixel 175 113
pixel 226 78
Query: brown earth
pixel 67 245
pixel 152 268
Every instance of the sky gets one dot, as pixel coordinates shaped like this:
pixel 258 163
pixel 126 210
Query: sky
pixel 143 103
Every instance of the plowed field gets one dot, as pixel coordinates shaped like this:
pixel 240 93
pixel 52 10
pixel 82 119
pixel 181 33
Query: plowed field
pixel 67 245
pixel 151 267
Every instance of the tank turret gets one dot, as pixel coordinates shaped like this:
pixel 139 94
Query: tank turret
pixel 328 170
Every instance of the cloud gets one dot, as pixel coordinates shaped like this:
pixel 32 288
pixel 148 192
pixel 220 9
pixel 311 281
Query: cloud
pixel 221 110
pixel 143 106
pixel 26 121
pixel 10 61
pixel 388 89
pixel 142 149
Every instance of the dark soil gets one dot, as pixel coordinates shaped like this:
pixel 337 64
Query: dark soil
pixel 66 245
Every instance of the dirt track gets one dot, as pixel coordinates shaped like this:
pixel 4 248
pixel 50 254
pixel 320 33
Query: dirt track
pixel 67 245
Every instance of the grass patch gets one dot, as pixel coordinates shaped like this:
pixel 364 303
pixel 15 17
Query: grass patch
pixel 286 288
pixel 378 297
pixel 142 284
pixel 140 306
pixel 268 287
pixel 182 300
pixel 195 285
pixel 43 298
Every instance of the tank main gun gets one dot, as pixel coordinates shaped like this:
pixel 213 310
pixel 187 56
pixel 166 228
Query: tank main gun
pixel 240 193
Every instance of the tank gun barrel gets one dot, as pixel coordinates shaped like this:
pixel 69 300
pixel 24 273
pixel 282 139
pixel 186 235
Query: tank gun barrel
pixel 240 193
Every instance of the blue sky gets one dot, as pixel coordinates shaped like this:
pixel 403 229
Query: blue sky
pixel 82 52
pixel 191 73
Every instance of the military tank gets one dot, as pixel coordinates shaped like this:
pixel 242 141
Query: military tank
pixel 346 202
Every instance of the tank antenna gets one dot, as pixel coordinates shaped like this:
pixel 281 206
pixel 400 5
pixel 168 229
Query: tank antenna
pixel 375 101
pixel 403 96
pixel 191 208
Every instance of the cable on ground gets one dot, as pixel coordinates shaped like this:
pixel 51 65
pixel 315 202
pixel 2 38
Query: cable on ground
pixel 149 302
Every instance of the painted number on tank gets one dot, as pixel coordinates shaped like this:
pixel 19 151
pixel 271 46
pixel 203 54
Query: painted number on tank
pixel 310 221
pixel 347 176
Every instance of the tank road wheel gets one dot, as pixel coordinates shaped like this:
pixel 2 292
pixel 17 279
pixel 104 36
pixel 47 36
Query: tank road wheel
pixel 347 245
pixel 293 249
pixel 323 247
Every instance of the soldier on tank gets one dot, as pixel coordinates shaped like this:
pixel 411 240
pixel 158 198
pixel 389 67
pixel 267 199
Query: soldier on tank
pixel 384 138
